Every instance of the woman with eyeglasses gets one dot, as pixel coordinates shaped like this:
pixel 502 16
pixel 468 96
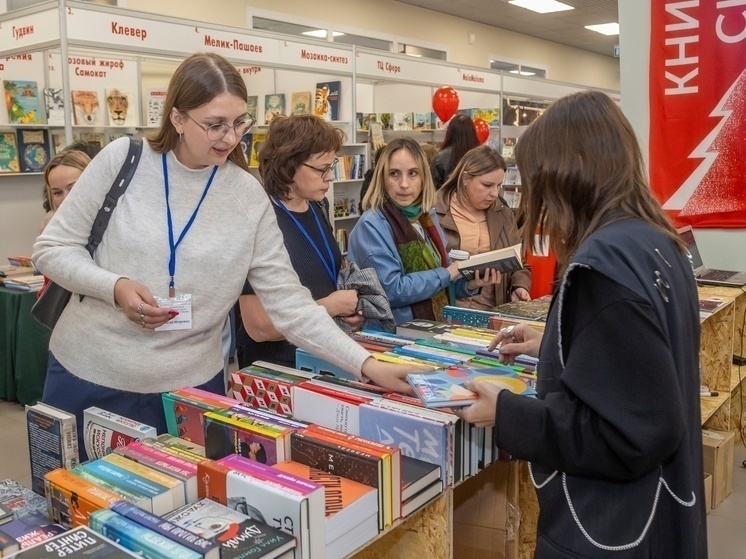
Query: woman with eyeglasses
pixel 192 227
pixel 297 164
pixel 399 236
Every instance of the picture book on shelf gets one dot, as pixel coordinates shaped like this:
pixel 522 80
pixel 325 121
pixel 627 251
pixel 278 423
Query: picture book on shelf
pixel 252 102
pixel 490 116
pixel 54 102
pixel 118 108
pixel 86 108
pixel 422 121
pixel 154 108
pixel 386 120
pixel 274 104
pixel 257 144
pixel 23 102
pixel 445 388
pixel 504 260
pixel 33 150
pixel 402 121
pixel 8 153
pixel 301 103
pixel 326 100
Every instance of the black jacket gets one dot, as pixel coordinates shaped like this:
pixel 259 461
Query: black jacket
pixel 615 435
pixel 441 167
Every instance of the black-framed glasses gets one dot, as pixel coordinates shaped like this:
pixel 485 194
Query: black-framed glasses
pixel 217 132
pixel 324 170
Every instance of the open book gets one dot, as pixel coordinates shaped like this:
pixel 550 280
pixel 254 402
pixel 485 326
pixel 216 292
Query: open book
pixel 503 260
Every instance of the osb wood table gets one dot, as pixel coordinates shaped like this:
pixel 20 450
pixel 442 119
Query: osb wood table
pixel 739 326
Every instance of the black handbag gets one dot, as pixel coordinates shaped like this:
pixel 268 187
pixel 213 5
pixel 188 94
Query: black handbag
pixel 54 298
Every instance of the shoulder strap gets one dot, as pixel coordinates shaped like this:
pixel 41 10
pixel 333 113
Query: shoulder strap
pixel 118 187
pixel 323 205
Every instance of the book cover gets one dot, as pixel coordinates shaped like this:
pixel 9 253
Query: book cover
pixel 164 462
pixel 416 475
pixel 376 135
pixel 33 150
pixel 266 501
pixel 274 104
pixel 19 500
pixel 71 499
pixel 9 153
pixel 86 108
pixel 6 515
pixel 224 436
pixel 175 445
pixel 156 99
pixel 23 102
pixel 53 442
pixel 205 547
pixel 184 410
pixel 301 103
pixel 137 538
pixel 237 535
pixel 79 543
pixel 402 121
pixel 125 494
pixel 424 496
pixel 30 530
pixel 445 388
pixel 326 408
pixel 104 430
pixel 326 100
pixel 174 484
pixel 527 310
pixel 386 120
pixel 504 260
pixel 118 108
pixel 490 116
pixel 54 102
pixel 346 502
pixel 256 147
pixel 252 104
pixel 263 390
pixel 422 121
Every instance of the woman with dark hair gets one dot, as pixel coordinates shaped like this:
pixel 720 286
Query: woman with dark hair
pixel 614 437
pixel 399 236
pixel 191 229
pixel 461 136
pixel 475 220
pixel 297 164
pixel 60 175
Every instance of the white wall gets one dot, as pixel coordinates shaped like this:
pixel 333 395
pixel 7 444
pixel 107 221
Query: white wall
pixel 720 248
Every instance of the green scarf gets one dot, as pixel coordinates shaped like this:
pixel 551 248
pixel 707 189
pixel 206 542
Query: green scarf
pixel 416 254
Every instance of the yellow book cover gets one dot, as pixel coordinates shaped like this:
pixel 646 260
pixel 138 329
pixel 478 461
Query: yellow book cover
pixel 175 485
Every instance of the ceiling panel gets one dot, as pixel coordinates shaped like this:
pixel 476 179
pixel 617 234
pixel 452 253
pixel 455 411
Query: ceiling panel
pixel 567 28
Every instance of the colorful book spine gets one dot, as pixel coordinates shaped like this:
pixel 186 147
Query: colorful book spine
pixel 174 484
pixel 224 435
pixel 137 538
pixel 257 469
pixel 126 494
pixel 53 442
pixel 164 462
pixel 202 546
pixel 104 430
pixel 178 447
pixel 71 499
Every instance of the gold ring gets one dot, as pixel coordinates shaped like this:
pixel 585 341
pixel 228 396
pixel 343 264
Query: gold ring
pixel 139 307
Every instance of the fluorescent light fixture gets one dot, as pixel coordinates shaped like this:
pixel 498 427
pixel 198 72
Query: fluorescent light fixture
pixel 605 28
pixel 542 6
pixel 321 33
pixel 522 73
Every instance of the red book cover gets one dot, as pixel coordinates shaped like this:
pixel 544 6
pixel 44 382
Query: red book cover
pixel 262 391
pixel 334 393
pixel 211 480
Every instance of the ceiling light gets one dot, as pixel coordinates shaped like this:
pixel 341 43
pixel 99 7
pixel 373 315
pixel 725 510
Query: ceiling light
pixel 542 6
pixel 522 73
pixel 605 28
pixel 321 33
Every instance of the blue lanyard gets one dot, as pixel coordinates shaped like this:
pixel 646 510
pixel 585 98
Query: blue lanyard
pixel 173 246
pixel 328 265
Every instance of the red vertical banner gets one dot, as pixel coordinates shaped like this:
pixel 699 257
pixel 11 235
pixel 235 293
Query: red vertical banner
pixel 698 110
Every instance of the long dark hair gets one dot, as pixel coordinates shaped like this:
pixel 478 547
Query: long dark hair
pixel 196 82
pixel 579 163
pixel 461 136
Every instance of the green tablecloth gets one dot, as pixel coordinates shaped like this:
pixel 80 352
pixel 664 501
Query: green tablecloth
pixel 24 347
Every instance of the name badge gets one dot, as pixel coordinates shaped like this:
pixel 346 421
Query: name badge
pixel 181 304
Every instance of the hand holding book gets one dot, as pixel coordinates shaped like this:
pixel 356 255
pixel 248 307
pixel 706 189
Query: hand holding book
pixel 482 412
pixel 516 340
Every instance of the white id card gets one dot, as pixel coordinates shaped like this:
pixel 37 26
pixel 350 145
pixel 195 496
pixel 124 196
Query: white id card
pixel 181 304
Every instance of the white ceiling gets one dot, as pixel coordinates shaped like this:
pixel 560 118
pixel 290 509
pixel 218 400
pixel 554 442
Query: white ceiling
pixel 567 28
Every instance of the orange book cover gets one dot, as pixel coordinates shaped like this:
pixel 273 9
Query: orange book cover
pixel 72 499
pixel 211 481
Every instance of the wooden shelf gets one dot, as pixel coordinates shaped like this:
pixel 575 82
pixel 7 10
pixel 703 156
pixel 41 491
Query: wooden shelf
pixel 711 405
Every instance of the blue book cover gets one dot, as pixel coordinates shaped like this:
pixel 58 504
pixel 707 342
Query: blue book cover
pixel 417 437
pixel 446 389
pixel 31 529
pixel 137 538
pixel 22 100
pixel 33 150
pixel 161 496
pixel 203 546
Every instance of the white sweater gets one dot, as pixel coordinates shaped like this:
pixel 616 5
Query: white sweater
pixel 234 237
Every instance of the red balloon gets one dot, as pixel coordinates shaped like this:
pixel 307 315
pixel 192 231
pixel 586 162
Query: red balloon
pixel 445 103
pixel 483 130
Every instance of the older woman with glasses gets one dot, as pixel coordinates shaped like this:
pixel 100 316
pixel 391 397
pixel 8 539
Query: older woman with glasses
pixel 297 164
pixel 191 229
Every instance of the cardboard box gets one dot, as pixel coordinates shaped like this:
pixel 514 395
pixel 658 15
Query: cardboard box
pixel 717 453
pixel 485 514
pixel 708 493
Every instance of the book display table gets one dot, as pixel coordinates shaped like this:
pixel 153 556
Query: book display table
pixel 24 348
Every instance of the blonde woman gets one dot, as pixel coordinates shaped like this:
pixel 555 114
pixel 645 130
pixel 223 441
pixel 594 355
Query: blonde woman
pixel 60 175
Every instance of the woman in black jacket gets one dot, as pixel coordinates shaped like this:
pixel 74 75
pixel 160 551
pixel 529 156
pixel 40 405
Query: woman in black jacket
pixel 461 136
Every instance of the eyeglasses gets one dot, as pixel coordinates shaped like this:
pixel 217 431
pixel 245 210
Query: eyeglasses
pixel 325 170
pixel 217 132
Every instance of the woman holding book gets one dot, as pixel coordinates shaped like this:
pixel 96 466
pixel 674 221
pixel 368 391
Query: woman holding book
pixel 461 136
pixel 398 235
pixel 614 437
pixel 153 308
pixel 297 164
pixel 475 219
